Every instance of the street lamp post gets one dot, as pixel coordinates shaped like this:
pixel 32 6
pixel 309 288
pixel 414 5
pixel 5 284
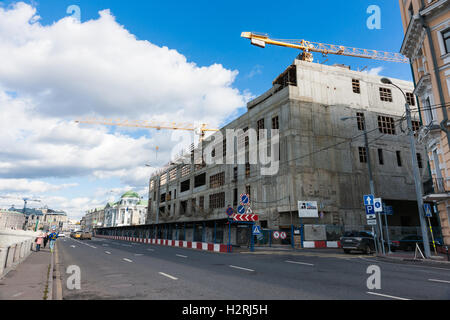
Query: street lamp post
pixel 416 173
pixel 371 183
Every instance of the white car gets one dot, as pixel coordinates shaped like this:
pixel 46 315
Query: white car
pixel 61 235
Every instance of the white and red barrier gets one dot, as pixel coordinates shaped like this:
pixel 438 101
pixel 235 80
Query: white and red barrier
pixel 321 244
pixel 214 247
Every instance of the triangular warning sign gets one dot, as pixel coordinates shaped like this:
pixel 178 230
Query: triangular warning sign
pixel 256 230
pixel 249 211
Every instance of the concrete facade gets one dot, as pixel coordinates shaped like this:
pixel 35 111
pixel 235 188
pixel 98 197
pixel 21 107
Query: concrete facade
pixel 318 153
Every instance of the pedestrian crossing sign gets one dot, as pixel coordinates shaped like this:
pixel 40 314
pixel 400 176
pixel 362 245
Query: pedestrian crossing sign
pixel 256 230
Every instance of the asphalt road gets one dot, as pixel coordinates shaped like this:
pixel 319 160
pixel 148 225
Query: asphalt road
pixel 113 269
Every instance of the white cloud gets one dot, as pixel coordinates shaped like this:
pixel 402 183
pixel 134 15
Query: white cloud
pixel 50 75
pixel 31 186
pixel 374 71
pixel 98 67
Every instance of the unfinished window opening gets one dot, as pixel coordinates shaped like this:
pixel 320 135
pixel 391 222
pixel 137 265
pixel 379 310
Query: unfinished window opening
pixel 410 99
pixel 380 157
pixel 386 125
pixel 201 202
pixel 185 170
pixel 385 94
pixel 217 200
pixel 235 197
pixel 217 180
pixel 172 174
pixel 275 123
pixel 361 121
pixel 399 158
pixel 356 86
pixel 163 179
pixel 287 78
pixel 247 170
pixel 163 198
pixel 259 126
pixel 185 185
pixel 235 174
pixel 200 180
pixel 362 154
pixel 419 160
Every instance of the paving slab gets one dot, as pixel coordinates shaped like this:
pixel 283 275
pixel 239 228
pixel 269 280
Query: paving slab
pixel 28 280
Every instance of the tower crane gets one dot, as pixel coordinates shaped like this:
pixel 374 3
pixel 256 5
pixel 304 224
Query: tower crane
pixel 307 47
pixel 151 125
pixel 25 201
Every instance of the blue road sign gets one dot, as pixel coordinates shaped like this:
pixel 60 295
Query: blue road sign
pixel 256 230
pixel 378 205
pixel 230 211
pixel 241 209
pixel 245 199
pixel 368 200
pixel 427 209
pixel 370 210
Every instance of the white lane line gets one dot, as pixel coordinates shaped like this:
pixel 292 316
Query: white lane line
pixel 17 294
pixel 236 267
pixel 181 256
pixel 107 252
pixel 386 296
pixel 437 280
pixel 297 262
pixel 138 254
pixel 150 249
pixel 126 245
pixel 128 260
pixel 72 246
pixel 167 275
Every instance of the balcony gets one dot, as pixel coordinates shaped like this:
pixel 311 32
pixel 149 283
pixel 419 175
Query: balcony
pixel 436 189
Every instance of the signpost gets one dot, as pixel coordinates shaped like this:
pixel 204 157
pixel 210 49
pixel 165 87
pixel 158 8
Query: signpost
pixel 244 215
pixel 372 207
pixel 429 214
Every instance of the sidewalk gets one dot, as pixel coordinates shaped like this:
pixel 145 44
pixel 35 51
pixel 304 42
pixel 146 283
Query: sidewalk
pixel 439 259
pixel 29 280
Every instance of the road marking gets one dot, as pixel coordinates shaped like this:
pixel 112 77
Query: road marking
pixel 386 296
pixel 126 245
pixel 128 260
pixel 297 262
pixel 150 249
pixel 167 275
pixel 107 252
pixel 138 254
pixel 236 267
pixel 181 256
pixel 17 294
pixel 437 280
pixel 105 245
pixel 72 246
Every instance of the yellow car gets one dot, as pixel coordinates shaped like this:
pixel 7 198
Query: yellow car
pixel 76 235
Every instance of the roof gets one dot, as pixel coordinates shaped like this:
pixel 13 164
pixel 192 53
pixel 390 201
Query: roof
pixel 130 194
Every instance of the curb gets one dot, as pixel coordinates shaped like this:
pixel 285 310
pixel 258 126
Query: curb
pixel 49 294
pixel 58 284
pixel 417 261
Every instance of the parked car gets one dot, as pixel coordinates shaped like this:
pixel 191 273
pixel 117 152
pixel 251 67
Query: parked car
pixel 408 243
pixel 358 240
pixel 86 236
pixel 61 234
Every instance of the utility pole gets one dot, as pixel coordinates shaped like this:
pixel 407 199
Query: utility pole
pixel 415 167
pixel 371 185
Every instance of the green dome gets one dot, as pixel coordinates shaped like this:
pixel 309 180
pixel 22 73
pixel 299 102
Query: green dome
pixel 130 194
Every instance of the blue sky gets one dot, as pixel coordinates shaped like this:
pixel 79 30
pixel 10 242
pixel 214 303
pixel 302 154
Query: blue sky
pixel 207 33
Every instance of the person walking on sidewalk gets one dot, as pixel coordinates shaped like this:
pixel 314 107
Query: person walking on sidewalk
pixel 45 239
pixel 39 241
pixel 52 237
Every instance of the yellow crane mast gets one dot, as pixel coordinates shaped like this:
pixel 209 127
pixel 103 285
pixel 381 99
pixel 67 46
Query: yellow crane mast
pixel 202 128
pixel 308 47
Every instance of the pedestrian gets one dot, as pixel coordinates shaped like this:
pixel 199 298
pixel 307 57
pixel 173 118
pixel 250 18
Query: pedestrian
pixel 39 241
pixel 45 239
pixel 52 237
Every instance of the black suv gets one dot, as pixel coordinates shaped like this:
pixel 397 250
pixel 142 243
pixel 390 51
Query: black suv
pixel 358 240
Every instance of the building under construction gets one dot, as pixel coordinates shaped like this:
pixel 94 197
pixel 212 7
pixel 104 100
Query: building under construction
pixel 321 113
